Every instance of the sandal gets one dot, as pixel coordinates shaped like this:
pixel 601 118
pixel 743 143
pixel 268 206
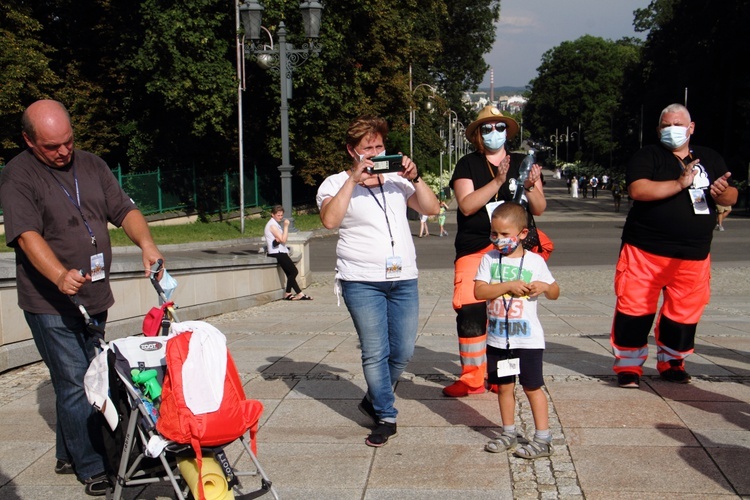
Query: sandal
pixel 289 297
pixel 381 434
pixel 502 443
pixel 534 449
pixel 301 297
pixel 98 485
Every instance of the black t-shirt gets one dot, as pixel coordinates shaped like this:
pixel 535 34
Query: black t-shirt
pixel 473 232
pixel 670 227
pixel 33 200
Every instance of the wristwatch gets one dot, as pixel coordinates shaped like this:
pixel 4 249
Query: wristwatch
pixel 416 179
pixel 530 189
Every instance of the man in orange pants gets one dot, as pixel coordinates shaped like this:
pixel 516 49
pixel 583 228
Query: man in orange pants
pixel 666 244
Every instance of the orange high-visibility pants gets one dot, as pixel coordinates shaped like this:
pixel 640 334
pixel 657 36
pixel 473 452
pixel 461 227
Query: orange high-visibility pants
pixel 471 320
pixel 640 278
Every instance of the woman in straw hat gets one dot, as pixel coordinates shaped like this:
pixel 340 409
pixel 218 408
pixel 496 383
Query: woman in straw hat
pixel 481 181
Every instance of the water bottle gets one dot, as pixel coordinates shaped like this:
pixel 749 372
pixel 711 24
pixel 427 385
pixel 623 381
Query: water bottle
pixel 523 174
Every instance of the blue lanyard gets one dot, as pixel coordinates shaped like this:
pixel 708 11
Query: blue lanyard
pixel 507 305
pixel 76 202
pixel 383 207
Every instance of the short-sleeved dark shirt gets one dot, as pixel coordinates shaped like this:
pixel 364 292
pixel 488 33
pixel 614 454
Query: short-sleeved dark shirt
pixel 473 232
pixel 670 227
pixel 33 199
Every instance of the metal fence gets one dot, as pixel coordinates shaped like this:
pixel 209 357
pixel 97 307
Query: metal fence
pixel 161 191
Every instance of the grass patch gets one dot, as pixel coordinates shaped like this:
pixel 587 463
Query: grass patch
pixel 208 231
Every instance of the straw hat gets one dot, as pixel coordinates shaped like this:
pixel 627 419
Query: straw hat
pixel 490 114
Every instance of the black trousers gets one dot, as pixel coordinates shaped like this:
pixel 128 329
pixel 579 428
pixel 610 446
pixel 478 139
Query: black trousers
pixel 289 269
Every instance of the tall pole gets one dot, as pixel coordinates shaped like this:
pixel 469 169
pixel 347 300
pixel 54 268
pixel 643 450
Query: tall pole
pixel 557 136
pixel 567 141
pixel 450 140
pixel 411 118
pixel 285 168
pixel 240 88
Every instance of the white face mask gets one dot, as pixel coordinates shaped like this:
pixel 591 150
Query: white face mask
pixel 361 157
pixel 673 137
pixel 494 140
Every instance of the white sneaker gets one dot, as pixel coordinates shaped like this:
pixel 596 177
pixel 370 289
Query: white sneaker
pixel 721 228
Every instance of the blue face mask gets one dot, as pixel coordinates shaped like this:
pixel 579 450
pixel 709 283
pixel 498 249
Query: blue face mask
pixel 674 137
pixel 494 140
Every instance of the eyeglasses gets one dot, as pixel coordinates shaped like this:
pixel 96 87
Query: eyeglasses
pixel 486 128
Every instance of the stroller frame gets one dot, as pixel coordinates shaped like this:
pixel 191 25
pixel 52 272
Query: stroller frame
pixel 129 472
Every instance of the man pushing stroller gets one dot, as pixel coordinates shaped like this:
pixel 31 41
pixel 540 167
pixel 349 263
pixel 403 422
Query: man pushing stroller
pixel 57 202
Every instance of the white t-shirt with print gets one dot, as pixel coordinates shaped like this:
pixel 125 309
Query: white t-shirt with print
pixel 364 240
pixel 525 330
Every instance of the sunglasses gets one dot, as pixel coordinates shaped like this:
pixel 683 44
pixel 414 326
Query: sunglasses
pixel 486 128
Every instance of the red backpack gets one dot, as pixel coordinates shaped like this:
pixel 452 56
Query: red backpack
pixel 235 416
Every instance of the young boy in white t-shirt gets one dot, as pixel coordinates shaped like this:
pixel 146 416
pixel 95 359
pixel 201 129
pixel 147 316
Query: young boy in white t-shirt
pixel 510 279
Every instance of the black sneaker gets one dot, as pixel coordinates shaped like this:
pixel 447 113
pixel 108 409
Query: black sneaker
pixel 368 410
pixel 676 373
pixel 63 467
pixel 98 485
pixel 628 380
pixel 381 434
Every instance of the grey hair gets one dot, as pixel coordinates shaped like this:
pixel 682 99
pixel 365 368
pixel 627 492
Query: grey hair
pixel 675 108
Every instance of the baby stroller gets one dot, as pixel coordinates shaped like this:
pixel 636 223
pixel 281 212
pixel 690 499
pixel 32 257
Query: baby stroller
pixel 126 382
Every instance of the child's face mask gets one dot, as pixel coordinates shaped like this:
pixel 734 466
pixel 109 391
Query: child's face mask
pixel 506 246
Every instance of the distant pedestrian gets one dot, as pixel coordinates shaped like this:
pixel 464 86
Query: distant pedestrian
pixel 276 234
pixel 594 183
pixel 605 181
pixel 568 182
pixel 441 219
pixel 511 280
pixel 617 195
pixel 722 212
pixel 574 187
pixel 423 229
pixel 583 185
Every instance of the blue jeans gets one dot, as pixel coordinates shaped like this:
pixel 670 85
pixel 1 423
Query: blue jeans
pixel 386 315
pixel 67 350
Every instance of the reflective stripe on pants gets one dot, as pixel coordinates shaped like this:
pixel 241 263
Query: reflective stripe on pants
pixel 640 278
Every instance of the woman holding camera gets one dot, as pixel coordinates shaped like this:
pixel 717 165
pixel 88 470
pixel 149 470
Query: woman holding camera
pixel 481 181
pixel 376 269
pixel 276 234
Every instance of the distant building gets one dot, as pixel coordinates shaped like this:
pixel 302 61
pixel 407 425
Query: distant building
pixel 511 104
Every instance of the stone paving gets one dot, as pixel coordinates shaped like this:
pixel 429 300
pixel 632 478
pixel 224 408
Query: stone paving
pixel 301 360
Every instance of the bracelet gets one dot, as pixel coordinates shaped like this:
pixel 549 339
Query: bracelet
pixel 416 179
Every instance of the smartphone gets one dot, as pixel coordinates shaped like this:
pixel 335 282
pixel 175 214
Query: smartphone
pixel 385 164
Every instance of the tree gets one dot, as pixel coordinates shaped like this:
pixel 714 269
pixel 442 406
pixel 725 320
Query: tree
pixel 581 82
pixel 363 68
pixel 24 60
pixel 695 51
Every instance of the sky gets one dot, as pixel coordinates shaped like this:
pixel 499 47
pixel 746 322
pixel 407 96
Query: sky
pixel 529 28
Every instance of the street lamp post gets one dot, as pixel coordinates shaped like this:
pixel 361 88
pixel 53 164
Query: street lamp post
pixel 284 58
pixel 450 136
pixel 413 112
pixel 558 138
